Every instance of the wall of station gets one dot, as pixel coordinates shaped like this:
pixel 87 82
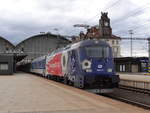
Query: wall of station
pixel 6 64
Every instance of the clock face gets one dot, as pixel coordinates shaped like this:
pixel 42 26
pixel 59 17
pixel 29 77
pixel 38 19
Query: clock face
pixel 105 23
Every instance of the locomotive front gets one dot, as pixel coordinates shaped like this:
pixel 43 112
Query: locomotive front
pixel 97 66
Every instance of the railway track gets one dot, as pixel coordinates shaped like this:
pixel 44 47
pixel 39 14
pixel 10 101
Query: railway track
pixel 139 104
pixel 131 96
pixel 139 90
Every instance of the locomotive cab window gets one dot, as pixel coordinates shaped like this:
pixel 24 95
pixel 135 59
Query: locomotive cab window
pixel 97 51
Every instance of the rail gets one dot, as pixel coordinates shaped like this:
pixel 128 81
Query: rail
pixel 135 96
pixel 139 90
pixel 136 103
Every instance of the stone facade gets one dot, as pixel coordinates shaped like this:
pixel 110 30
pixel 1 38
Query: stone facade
pixel 106 34
pixel 115 44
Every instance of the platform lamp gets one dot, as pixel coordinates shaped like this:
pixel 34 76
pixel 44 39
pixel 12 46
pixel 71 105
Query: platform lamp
pixel 57 31
pixel 131 44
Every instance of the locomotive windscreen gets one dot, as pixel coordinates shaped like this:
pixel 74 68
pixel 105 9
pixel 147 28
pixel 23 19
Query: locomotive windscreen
pixel 97 51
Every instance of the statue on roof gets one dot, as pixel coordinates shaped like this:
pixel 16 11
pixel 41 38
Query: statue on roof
pixel 104 15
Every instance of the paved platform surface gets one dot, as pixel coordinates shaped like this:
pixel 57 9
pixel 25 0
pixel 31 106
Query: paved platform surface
pixel 27 93
pixel 135 77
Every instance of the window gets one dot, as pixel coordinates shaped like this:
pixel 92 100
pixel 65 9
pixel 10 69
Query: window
pixel 117 42
pixel 64 61
pixel 113 42
pixel 143 66
pixel 122 68
pixel 7 48
pixel 4 66
pixel 96 51
pixel 115 49
pixel 22 49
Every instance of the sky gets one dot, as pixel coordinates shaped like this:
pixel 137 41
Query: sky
pixel 21 19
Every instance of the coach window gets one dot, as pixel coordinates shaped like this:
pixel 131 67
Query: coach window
pixel 64 61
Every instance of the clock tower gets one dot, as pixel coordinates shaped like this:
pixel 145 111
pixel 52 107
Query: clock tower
pixel 104 25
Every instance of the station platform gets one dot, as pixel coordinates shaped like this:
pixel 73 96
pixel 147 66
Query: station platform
pixel 141 81
pixel 27 93
pixel 135 76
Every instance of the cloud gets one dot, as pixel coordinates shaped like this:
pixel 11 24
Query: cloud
pixel 25 17
pixel 21 19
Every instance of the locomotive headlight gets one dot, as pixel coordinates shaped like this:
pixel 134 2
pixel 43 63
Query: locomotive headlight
pixel 86 64
pixel 109 70
pixel 88 70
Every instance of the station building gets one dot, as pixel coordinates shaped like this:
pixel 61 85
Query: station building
pixel 131 64
pixel 40 45
pixel 103 31
pixel 27 50
pixel 6 64
pixel 8 57
pixel 6 60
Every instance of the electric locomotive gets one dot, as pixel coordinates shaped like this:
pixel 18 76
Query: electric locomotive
pixel 87 64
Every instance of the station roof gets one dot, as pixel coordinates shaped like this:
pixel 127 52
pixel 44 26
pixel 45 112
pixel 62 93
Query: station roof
pixel 34 36
pixel 44 34
pixel 6 41
pixel 131 59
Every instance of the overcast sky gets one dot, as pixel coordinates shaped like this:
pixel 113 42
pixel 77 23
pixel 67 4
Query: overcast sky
pixel 21 19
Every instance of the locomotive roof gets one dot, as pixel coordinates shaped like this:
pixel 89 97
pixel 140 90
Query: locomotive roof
pixel 81 44
pixel 88 42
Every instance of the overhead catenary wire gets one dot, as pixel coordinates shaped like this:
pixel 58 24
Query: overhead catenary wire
pixel 136 27
pixel 112 5
pixel 136 12
pixel 105 9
